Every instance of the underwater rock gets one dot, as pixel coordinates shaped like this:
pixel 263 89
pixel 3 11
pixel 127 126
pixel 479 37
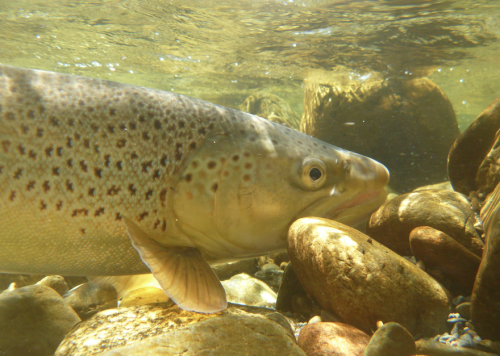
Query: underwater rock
pixel 444 210
pixel 445 186
pixel 227 270
pixel 464 310
pixel 247 290
pixel 339 339
pixel 365 116
pixel 57 283
pixel 471 147
pixel 143 296
pixel 434 348
pixel 362 281
pixel 485 299
pixel 21 280
pixel 33 321
pixel 391 339
pixel 488 173
pixel 225 335
pixel 117 327
pixel 440 251
pixel 270 274
pixel 271 107
pixel 290 286
pixel 90 298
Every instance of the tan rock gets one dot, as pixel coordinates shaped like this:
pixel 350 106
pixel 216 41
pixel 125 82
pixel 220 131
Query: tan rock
pixel 352 275
pixel 143 296
pixel 444 210
pixel 434 348
pixel 471 147
pixel 440 251
pixel 57 283
pixel 485 299
pixel 339 339
pixel 247 290
pixel 91 298
pixel 391 339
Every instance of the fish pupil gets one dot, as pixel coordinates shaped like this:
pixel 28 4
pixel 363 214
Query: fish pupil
pixel 315 174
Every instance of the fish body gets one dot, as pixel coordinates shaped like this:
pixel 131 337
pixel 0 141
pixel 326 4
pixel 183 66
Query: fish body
pixel 85 161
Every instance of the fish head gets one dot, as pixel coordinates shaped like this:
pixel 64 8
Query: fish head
pixel 249 181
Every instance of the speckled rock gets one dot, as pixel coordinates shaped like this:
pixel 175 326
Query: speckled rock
pixel 364 115
pixel 444 210
pixel 352 275
pixel 271 107
pixel 290 286
pixel 227 270
pixel 57 283
pixel 440 251
pixel 33 321
pixel 270 274
pixel 485 300
pixel 471 147
pixel 247 290
pixel 433 348
pixel 391 339
pixel 113 328
pixel 143 296
pixel 339 339
pixel 90 298
pixel 225 335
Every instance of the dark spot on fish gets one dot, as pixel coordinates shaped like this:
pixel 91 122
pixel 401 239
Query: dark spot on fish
pixel 157 124
pixel 324 147
pixel 131 189
pixel 1 169
pixel 246 154
pixel 71 122
pixel 76 212
pixel 118 216
pixel 48 151
pixel 149 193
pixel 107 160
pixel 98 172
pixel 112 112
pixel 192 145
pixel 91 192
pixel 43 206
pixel 195 164
pixel 113 190
pixel 111 129
pixel 248 165
pixel 146 165
pixel 54 121
pixel 41 109
pixel 96 147
pixel 99 211
pixel 82 230
pixel 81 102
pixel 188 177
pixel 211 126
pixel 39 132
pixel 178 153
pixel 156 174
pixel 46 186
pixel 32 154
pixel 119 165
pixel 21 149
pixel 9 116
pixel 77 136
pixel 122 127
pixel 69 185
pixel 18 173
pixel 134 155
pixel 86 143
pixel 315 144
pixel 246 177
pixel 55 171
pixel 202 131
pixel 24 129
pixel 83 166
pixel 214 187
pixel 59 151
pixel 69 142
pixel 163 161
pixel 226 173
pixel 30 114
pixel 211 165
pixel 141 118
pixel 163 196
pixel 157 222
pixel 69 162
pixel 164 226
pixel 121 143
pixel 5 145
pixel 145 136
pixel 181 124
pixel 59 205
pixel 275 142
pixel 142 216
pixel 12 195
pixel 30 185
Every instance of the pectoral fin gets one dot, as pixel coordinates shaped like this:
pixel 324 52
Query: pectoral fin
pixel 181 271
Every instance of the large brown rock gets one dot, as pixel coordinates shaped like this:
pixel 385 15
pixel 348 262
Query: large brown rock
pixel 391 339
pixel 352 275
pixel 290 287
pixel 339 339
pixel 444 210
pixel 488 174
pixel 485 301
pixel 440 251
pixel 471 147
pixel 33 321
pixel 408 125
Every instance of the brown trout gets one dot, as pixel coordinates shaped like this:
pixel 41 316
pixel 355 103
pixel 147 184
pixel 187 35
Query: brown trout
pixel 84 161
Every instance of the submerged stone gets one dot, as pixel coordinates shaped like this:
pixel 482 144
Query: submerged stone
pixel 391 339
pixel 352 275
pixel 247 290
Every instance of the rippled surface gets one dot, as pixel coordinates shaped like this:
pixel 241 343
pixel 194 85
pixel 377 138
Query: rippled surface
pixel 223 51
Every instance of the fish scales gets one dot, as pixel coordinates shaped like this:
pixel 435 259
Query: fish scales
pixel 83 152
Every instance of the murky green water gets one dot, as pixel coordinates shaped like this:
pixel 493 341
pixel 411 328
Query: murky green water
pixel 223 51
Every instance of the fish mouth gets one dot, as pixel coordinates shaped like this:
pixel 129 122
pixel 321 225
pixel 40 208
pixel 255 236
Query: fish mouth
pixel 351 211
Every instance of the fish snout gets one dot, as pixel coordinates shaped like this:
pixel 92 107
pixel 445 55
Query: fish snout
pixel 367 173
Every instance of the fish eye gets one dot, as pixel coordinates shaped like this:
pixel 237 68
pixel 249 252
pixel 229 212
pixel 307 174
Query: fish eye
pixel 313 173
